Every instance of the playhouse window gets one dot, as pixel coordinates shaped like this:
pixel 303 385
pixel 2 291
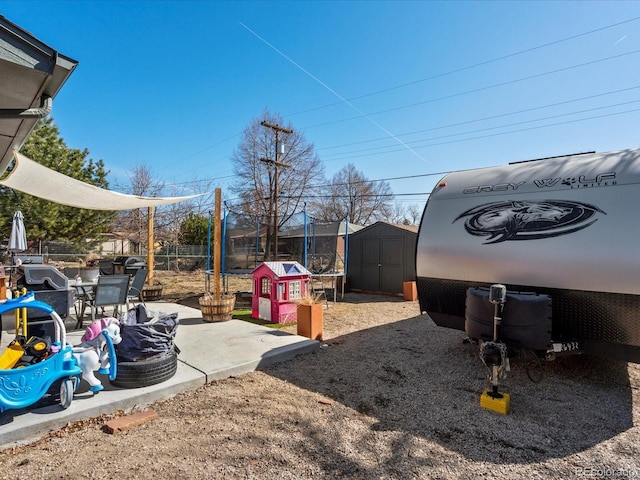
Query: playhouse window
pixel 265 287
pixel 295 290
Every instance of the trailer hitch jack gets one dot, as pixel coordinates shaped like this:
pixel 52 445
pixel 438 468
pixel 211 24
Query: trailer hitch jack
pixel 494 356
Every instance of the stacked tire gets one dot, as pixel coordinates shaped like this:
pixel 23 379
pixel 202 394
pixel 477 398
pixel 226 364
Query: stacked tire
pixel 143 373
pixel 147 354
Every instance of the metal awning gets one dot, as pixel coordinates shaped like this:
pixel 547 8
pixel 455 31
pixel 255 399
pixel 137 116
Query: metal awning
pixel 31 74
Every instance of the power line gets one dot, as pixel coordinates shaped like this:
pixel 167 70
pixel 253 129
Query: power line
pixel 468 67
pixel 341 155
pixel 389 179
pixel 476 90
pixel 416 142
pixel 502 133
pixel 455 141
pixel 463 140
pixel 461 69
pixel 343 99
pixel 231 207
pixel 493 117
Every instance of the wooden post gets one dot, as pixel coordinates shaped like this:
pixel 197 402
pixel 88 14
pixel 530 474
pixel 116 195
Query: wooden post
pixel 150 244
pixel 217 241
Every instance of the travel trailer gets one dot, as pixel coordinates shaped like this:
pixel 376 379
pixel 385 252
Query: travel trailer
pixel 562 235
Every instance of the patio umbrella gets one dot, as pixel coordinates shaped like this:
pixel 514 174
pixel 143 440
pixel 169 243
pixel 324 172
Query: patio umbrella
pixel 18 238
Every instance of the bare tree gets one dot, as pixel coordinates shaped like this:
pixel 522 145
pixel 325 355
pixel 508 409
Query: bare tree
pixel 349 193
pixel 254 166
pixel 414 213
pixel 406 214
pixel 203 203
pixel 173 215
pixel 133 223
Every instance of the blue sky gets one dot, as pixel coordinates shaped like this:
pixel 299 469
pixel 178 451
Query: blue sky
pixel 399 89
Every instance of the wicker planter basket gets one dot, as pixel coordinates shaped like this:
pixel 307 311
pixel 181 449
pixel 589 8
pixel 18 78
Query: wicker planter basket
pixel 217 309
pixel 152 292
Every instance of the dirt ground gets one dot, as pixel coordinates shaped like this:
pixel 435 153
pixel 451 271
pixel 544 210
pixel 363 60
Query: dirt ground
pixel 388 395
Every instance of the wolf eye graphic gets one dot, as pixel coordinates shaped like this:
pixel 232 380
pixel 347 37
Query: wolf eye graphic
pixel 528 220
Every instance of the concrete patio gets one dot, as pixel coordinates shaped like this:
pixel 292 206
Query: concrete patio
pixel 208 352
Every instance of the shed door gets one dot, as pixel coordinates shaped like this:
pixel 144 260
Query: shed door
pixel 382 264
pixel 391 258
pixel 371 264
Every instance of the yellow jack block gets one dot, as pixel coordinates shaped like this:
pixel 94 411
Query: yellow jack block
pixel 499 405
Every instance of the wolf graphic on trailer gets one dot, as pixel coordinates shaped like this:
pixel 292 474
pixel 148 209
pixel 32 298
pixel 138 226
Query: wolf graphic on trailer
pixel 561 234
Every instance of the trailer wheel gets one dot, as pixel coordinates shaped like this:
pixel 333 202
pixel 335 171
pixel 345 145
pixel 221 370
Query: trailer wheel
pixel 532 365
pixel 146 372
pixel 67 387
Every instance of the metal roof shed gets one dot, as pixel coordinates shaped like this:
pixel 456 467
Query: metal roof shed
pixel 382 257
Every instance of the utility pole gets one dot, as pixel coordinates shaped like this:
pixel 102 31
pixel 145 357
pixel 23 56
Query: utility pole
pixel 277 129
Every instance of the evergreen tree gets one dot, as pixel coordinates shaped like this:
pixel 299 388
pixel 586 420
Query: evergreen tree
pixel 45 220
pixel 194 230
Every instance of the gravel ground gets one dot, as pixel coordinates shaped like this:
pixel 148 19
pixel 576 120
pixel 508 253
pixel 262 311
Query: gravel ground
pixel 388 396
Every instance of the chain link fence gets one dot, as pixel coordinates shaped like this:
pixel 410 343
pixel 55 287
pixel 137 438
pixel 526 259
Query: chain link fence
pixel 184 258
pixel 247 242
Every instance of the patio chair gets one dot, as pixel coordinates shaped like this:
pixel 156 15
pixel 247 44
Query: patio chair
pixel 71 272
pixel 81 295
pixel 135 292
pixel 111 290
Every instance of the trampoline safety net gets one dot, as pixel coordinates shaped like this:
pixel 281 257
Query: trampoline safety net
pixel 248 241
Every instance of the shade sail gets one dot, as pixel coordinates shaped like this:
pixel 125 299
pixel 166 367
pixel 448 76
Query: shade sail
pixel 30 177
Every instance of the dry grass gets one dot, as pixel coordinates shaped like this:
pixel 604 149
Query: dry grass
pixel 178 285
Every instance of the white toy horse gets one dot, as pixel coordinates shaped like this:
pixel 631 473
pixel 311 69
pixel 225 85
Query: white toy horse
pixel 96 353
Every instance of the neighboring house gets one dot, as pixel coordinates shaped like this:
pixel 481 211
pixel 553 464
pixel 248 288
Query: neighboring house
pixel 382 257
pixel 115 244
pixel 245 246
pixel 325 244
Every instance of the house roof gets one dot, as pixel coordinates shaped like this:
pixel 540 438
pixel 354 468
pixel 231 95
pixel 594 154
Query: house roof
pixel 32 75
pixel 321 229
pixel 409 228
pixel 285 269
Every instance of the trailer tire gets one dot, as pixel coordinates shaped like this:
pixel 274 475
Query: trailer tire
pixel 146 372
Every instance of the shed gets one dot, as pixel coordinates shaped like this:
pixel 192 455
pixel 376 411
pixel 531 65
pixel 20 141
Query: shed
pixel 382 257
pixel 276 288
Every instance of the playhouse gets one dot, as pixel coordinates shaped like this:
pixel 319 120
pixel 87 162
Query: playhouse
pixel 276 288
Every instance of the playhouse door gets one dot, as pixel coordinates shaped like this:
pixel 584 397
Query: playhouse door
pixel 264 309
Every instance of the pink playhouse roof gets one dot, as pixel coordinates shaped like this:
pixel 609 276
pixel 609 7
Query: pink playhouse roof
pixel 286 269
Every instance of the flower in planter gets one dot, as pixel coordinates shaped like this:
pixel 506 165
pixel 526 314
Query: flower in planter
pixel 92 261
pixel 311 299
